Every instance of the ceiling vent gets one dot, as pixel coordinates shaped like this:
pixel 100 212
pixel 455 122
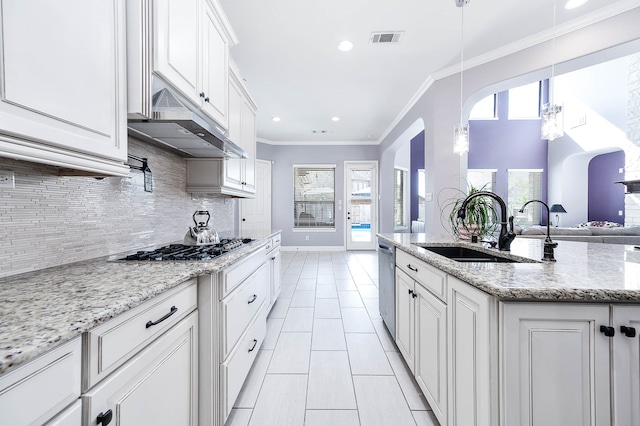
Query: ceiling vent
pixel 386 37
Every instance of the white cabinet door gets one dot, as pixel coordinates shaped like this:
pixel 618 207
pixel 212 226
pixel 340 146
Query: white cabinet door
pixel 62 85
pixel 626 365
pixel 215 67
pixel 275 261
pixel 248 118
pixel 176 47
pixel 405 317
pixel 431 351
pixel 472 376
pixel 555 364
pixel 159 386
pixel 233 167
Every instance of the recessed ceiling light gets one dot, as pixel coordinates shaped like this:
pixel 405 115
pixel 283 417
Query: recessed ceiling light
pixel 276 119
pixel 345 45
pixel 335 118
pixel 572 4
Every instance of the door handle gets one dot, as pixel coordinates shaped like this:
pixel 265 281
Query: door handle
pixel 628 331
pixel 412 268
pixel 608 331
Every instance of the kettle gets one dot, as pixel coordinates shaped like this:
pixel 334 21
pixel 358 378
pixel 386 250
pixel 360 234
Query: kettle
pixel 201 233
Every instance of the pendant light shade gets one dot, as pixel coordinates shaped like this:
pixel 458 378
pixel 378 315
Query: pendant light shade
pixel 552 122
pixel 552 117
pixel 461 139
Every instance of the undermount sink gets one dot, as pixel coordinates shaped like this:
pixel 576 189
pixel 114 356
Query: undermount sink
pixel 464 254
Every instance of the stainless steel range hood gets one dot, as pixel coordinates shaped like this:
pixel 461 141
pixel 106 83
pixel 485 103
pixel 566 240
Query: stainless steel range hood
pixel 177 123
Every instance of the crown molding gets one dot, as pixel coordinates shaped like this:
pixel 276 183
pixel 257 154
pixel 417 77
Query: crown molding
pixel 315 143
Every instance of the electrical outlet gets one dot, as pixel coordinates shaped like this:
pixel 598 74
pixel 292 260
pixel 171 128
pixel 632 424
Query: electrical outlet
pixel 7 179
pixel 620 213
pixel 306 237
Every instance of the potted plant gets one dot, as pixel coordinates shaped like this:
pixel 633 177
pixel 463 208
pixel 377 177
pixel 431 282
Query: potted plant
pixel 481 217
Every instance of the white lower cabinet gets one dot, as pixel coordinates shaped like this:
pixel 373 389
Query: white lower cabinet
pixel 626 365
pixel 158 386
pixel 405 318
pixel 43 389
pixel 575 364
pixel 232 307
pixel 70 416
pixel 431 351
pixel 472 372
pixel 274 263
pixel 421 336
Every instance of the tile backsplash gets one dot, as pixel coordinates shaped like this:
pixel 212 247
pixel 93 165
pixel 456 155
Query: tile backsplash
pixel 49 220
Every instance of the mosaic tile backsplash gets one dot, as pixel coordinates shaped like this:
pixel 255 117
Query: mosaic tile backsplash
pixel 49 220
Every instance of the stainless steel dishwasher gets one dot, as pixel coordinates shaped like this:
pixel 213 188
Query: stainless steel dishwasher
pixel 386 285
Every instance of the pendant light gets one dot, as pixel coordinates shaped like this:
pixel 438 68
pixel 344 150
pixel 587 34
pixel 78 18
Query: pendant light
pixel 552 116
pixel 461 131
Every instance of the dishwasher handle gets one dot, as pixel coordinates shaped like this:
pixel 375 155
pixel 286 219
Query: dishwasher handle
pixel 386 249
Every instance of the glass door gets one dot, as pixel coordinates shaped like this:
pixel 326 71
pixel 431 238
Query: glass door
pixel 361 207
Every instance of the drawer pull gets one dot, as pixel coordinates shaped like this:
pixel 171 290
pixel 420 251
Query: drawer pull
pixel 267 247
pixel 608 331
pixel 255 342
pixel 152 323
pixel 253 299
pixel 412 268
pixel 105 418
pixel 628 331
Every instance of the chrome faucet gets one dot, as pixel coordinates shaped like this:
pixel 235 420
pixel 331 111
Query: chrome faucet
pixel 506 236
pixel 548 244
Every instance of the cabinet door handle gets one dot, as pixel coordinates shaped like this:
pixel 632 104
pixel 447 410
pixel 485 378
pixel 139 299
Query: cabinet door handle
pixel 267 248
pixel 171 312
pixel 414 295
pixel 410 291
pixel 273 258
pixel 628 331
pixel 412 268
pixel 206 99
pixel 253 299
pixel 255 342
pixel 202 94
pixel 105 418
pixel 608 331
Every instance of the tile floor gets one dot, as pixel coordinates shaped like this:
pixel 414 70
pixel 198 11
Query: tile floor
pixel 328 359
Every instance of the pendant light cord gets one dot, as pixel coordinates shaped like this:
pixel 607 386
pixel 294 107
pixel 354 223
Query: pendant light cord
pixel 461 58
pixel 553 54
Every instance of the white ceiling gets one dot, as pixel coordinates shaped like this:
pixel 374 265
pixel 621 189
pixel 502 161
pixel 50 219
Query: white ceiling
pixel 288 55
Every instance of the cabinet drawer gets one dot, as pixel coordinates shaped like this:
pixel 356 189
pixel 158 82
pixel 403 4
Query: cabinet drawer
pixel 429 277
pixel 114 342
pixel 157 386
pixel 234 371
pixel 71 416
pixel 239 308
pixel 275 241
pixel 235 275
pixel 38 390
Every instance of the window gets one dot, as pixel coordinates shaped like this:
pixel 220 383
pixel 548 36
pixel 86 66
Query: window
pixel 400 187
pixel 482 178
pixel 524 102
pixel 525 185
pixel 485 109
pixel 314 196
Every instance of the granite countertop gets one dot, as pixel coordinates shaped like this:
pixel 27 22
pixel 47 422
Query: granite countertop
pixel 43 309
pixel 583 271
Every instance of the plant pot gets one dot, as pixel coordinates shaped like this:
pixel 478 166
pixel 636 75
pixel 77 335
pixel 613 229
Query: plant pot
pixel 465 233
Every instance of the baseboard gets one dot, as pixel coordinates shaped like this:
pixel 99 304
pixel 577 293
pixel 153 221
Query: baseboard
pixel 312 248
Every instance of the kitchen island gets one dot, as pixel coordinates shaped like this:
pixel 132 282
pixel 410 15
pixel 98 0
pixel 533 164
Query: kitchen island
pixel 530 342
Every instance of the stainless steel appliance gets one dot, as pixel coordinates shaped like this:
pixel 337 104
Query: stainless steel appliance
pixel 189 252
pixel 386 286
pixel 201 233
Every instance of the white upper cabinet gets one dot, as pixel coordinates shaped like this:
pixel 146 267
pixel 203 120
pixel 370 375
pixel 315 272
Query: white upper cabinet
pixel 62 84
pixel 184 42
pixel 177 44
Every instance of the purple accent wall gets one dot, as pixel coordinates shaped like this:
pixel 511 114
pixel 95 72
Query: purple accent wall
pixel 417 162
pixel 508 144
pixel 606 198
